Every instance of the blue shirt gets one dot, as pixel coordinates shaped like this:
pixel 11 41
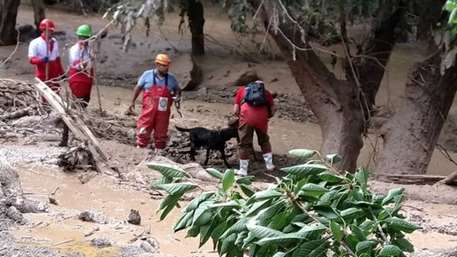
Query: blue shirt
pixel 146 80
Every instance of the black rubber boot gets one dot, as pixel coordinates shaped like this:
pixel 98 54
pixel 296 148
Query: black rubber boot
pixel 65 132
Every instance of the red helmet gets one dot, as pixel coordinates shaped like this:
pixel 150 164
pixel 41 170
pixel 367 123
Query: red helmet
pixel 47 23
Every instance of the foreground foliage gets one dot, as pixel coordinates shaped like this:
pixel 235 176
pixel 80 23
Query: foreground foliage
pixel 313 211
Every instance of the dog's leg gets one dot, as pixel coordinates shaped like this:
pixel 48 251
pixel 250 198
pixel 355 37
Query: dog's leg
pixel 224 158
pixel 192 151
pixel 208 151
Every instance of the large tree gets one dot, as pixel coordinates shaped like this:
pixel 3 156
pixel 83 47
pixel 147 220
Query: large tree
pixel 303 29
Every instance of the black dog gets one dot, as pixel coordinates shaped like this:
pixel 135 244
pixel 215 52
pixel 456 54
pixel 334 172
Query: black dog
pixel 210 139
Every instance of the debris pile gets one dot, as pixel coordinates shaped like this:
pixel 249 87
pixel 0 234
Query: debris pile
pixel 17 100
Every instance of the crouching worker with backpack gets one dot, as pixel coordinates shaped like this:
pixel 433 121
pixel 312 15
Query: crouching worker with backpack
pixel 254 106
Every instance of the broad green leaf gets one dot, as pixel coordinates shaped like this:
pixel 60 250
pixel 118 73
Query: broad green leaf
pixel 181 224
pixel 267 194
pixel 230 204
pixel 228 180
pixel 247 180
pixel 326 212
pixel 168 171
pixel 304 170
pixel 193 231
pixel 390 251
pixel 303 154
pixel 404 245
pixel 264 216
pixel 247 190
pixel 205 218
pixel 361 176
pixel 330 177
pixel 356 231
pixel 239 226
pixel 307 247
pixel 401 225
pixel 227 243
pixel 320 251
pixel 313 190
pixel 367 226
pixel 392 194
pixel 327 198
pixel 177 188
pixel 263 232
pixel 207 232
pixel 256 207
pixel 351 213
pixel 197 201
pixel 365 246
pixel 337 231
pixel 310 228
pixel 284 239
pixel 215 173
pixel 168 204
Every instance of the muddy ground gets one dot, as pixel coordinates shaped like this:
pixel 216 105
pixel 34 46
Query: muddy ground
pixel 31 147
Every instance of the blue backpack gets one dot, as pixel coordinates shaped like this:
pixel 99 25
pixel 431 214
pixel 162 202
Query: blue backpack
pixel 255 94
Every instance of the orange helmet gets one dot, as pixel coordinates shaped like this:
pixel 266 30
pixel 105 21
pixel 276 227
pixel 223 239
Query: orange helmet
pixel 162 59
pixel 47 24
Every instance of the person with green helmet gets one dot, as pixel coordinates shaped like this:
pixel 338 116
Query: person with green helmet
pixel 81 71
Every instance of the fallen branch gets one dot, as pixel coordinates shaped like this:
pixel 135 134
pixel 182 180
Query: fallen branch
pixel 410 179
pixel 17 114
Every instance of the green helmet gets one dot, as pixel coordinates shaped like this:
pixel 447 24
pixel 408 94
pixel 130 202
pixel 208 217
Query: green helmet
pixel 84 31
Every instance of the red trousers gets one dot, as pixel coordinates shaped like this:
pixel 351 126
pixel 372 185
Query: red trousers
pixel 153 119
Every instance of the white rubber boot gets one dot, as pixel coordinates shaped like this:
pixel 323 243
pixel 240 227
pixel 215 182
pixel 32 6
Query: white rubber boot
pixel 268 158
pixel 159 152
pixel 243 171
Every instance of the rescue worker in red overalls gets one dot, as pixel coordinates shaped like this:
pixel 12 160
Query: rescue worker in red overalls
pixel 44 54
pixel 81 71
pixel 160 89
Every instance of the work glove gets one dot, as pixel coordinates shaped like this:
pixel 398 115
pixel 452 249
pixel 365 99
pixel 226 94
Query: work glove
pixel 45 59
pixel 177 101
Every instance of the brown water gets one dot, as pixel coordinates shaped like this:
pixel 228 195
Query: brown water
pixel 62 230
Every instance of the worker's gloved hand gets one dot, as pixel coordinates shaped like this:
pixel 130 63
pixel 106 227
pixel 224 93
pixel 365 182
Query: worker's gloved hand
pixel 45 59
pixel 177 102
pixel 130 110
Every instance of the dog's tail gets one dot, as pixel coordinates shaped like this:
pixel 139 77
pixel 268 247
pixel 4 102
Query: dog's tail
pixel 182 129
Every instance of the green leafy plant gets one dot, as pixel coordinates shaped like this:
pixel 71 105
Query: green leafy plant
pixel 312 211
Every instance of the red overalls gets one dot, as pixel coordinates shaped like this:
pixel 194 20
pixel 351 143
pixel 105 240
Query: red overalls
pixel 155 115
pixel 80 80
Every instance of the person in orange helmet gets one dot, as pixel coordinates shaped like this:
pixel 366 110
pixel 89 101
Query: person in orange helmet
pixel 44 54
pixel 160 89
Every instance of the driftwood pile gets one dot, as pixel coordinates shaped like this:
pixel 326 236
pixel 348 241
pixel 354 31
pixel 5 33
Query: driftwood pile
pixel 17 100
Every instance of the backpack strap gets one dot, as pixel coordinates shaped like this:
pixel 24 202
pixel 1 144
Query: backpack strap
pixel 243 101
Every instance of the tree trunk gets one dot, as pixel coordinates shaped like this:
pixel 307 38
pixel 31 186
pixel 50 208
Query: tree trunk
pixel 196 23
pixel 38 12
pixel 334 102
pixel 8 14
pixel 376 53
pixel 410 136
